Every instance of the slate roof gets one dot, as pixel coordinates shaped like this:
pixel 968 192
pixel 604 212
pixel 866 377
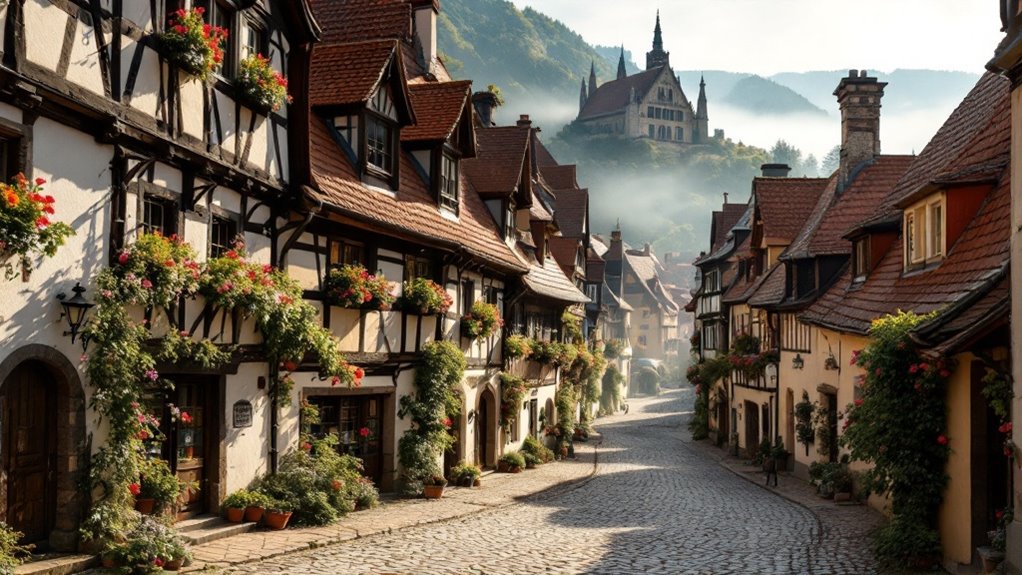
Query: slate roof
pixel 976 261
pixel 613 96
pixel 572 206
pixel 549 281
pixel 982 316
pixel 785 203
pixel 438 107
pixel 646 269
pixel 358 20
pixel 500 157
pixel 411 210
pixel 349 73
pixel 727 242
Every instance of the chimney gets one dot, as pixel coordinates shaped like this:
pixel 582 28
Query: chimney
pixel 524 121
pixel 424 17
pixel 485 103
pixel 858 97
pixel 775 170
pixel 646 249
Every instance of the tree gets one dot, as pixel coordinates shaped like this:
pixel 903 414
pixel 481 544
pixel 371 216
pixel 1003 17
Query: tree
pixel 831 161
pixel 785 153
pixel 811 167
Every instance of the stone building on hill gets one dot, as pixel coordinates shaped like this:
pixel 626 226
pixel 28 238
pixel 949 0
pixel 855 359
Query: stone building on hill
pixel 650 104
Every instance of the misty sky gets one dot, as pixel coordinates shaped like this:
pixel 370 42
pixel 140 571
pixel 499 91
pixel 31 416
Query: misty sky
pixel 770 36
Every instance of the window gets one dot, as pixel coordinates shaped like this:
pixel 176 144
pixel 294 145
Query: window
pixel 658 113
pixel 591 292
pixel 253 39
pixel 347 129
pixel 379 143
pixel 642 341
pixel 343 252
pixel 861 262
pixel 924 232
pixel 417 268
pixel 222 232
pixel 509 222
pixel 468 295
pixel 679 134
pixel 159 216
pixel 649 112
pixel 935 233
pixel 652 131
pixel 449 182
pixel 679 116
pixel 712 282
pixel 794 334
pixel 220 14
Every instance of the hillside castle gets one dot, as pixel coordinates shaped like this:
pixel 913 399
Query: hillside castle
pixel 649 104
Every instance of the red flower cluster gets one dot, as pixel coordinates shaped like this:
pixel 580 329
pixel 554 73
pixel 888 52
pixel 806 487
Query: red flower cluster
pixel 1005 427
pixel 364 432
pixel 193 43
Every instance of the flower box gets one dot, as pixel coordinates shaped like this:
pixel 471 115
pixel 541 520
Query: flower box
pixel 482 322
pixel 191 44
pixel 353 287
pixel 259 86
pixel 425 297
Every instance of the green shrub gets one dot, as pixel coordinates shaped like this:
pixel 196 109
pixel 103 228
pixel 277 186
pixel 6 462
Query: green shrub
pixel 513 459
pixel 465 472
pixel 534 447
pixel 530 459
pixel 11 554
pixel 159 483
pixel 904 540
pixel 243 498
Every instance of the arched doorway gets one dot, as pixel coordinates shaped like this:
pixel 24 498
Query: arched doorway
pixel 486 429
pixel 42 446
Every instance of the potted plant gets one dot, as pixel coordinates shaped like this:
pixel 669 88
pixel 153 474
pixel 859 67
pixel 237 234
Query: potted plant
pixel 535 447
pixel 159 488
pixel 466 474
pixel 353 287
pixel 531 461
pixel 993 555
pixel 259 86
pixel 191 44
pixel 517 346
pixel 237 506
pixel 511 462
pixel 481 322
pixel 178 555
pixel 277 514
pixel 151 546
pixel 433 487
pixel 425 297
pixel 25 226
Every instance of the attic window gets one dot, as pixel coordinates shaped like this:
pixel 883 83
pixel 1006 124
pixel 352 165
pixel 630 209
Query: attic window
pixel 860 263
pixel 924 232
pixel 379 145
pixel 448 192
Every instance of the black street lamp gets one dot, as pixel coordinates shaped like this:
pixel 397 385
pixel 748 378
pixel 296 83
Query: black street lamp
pixel 75 310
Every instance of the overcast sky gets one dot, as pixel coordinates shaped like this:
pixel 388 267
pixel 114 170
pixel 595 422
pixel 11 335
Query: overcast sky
pixel 769 36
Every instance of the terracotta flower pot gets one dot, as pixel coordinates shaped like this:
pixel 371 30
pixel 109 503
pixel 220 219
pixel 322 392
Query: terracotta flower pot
pixel 107 561
pixel 173 565
pixel 234 514
pixel 432 491
pixel 276 519
pixel 145 505
pixel 478 482
pixel 253 513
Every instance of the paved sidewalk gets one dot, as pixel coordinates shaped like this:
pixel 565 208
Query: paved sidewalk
pixel 844 530
pixel 497 490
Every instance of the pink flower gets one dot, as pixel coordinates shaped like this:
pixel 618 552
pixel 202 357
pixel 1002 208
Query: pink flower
pixel 858 401
pixel 152 375
pixel 123 258
pixel 307 446
pixel 942 439
pixel 447 422
pixel 855 356
pixel 364 432
pixel 143 435
pixel 146 284
pixel 185 417
pixel 913 368
pixel 158 562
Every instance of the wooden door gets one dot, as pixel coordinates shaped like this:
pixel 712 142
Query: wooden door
pixel 358 424
pixel 751 428
pixel 483 433
pixel 190 447
pixel 30 448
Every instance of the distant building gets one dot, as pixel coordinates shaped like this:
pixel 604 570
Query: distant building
pixel 650 104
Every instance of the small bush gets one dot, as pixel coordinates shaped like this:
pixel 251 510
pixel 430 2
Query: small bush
pixel 534 447
pixel 465 473
pixel 530 459
pixel 512 459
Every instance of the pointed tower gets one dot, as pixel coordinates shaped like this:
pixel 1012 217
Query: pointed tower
pixel 702 130
pixel 657 57
pixel 592 79
pixel 621 73
pixel 582 97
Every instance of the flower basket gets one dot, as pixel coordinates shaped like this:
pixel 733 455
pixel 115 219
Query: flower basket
pixel 425 297
pixel 191 44
pixel 259 86
pixel 353 287
pixel 25 226
pixel 482 322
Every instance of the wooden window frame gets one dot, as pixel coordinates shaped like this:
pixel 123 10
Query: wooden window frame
pixel 448 187
pixel 339 257
pixel 146 191
pixel 860 259
pixel 220 215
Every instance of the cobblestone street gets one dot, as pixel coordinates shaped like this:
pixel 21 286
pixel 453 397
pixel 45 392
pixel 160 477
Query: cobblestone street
pixel 656 504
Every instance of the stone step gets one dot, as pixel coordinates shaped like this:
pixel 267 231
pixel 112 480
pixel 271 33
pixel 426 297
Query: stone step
pixel 215 531
pixel 198 522
pixel 57 565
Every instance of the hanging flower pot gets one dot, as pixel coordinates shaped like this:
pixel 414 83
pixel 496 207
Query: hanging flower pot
pixel 259 86
pixel 191 44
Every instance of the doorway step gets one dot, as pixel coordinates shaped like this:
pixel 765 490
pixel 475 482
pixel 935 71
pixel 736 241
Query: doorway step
pixel 206 528
pixel 55 564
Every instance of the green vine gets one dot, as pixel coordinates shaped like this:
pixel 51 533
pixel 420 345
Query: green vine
pixel 512 393
pixel 804 429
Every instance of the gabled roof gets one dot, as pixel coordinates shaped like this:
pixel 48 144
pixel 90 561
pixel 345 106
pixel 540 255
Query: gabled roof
pixel 359 20
pixel 613 96
pixel 973 264
pixel 722 223
pixel 728 243
pixel 571 211
pixel 350 73
pixel 410 211
pixel 500 157
pixel 438 107
pixel 565 252
pixel 550 282
pixel 770 290
pixel 785 203
pixel 544 159
pixel 559 177
pixel 647 269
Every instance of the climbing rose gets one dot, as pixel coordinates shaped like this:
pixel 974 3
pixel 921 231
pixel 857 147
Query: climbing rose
pixel 364 432
pixel 941 439
pixel 123 258
pixel 135 489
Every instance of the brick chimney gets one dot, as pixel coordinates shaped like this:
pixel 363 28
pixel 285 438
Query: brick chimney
pixel 424 17
pixel 646 249
pixel 775 170
pixel 485 103
pixel 524 121
pixel 859 97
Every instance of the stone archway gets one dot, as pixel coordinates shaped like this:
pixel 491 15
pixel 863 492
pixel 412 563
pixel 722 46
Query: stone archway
pixel 56 380
pixel 487 430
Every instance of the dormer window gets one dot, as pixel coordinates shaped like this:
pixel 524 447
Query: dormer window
pixel 924 232
pixel 370 138
pixel 448 184
pixel 379 145
pixel 860 260
pixel 509 221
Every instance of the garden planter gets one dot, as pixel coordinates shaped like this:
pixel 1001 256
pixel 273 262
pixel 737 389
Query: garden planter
pixel 107 561
pixel 432 491
pixel 234 514
pixel 505 468
pixel 173 565
pixel 991 558
pixel 530 465
pixel 253 513
pixel 145 505
pixel 276 519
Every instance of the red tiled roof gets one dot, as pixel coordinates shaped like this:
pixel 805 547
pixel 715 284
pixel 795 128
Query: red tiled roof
pixel 559 177
pixel 564 250
pixel 856 202
pixel 544 159
pixel 613 96
pixel 549 281
pixel 988 312
pixel 785 203
pixel 500 157
pixel 410 210
pixel 358 20
pixel 349 73
pixel 438 107
pixel 722 223
pixel 538 210
pixel 572 207
pixel 949 142
pixel 771 290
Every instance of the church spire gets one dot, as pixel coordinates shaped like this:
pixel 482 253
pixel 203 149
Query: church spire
pixel 702 118
pixel 592 78
pixel 656 57
pixel 621 72
pixel 582 97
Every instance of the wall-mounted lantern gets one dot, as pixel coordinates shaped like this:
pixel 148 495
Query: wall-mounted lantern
pixel 75 310
pixel 797 362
